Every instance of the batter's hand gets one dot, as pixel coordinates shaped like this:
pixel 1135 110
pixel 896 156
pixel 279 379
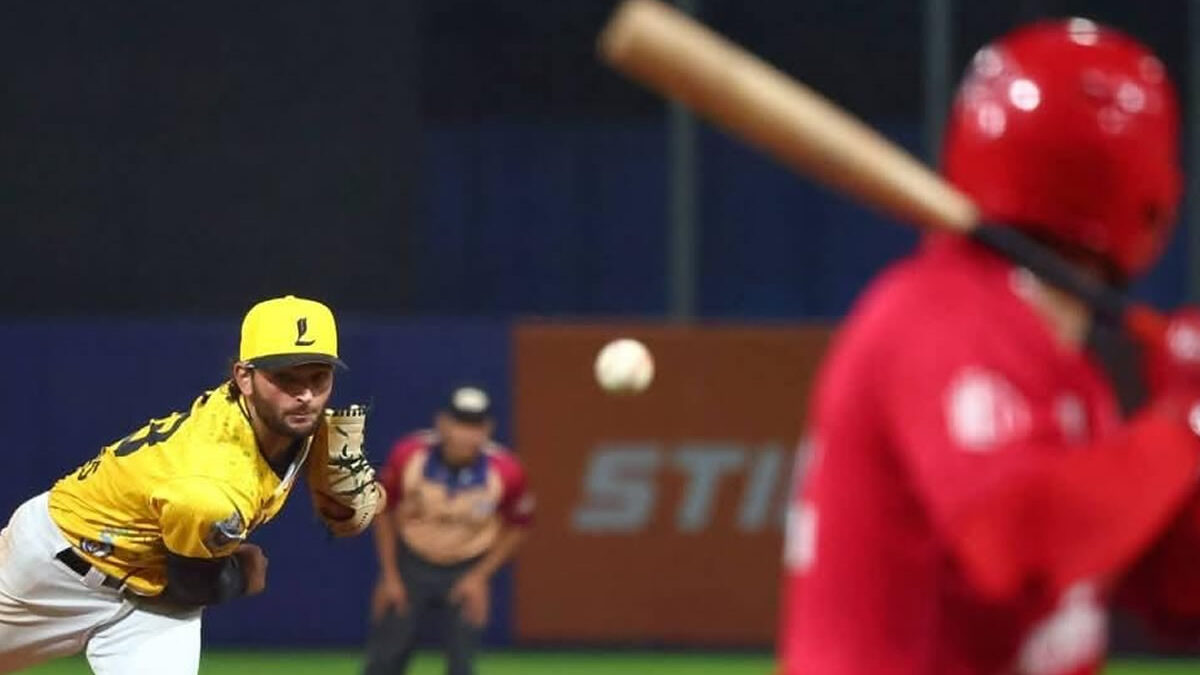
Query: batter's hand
pixel 254 567
pixel 471 596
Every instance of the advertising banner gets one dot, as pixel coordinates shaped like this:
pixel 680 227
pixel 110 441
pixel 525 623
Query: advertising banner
pixel 659 514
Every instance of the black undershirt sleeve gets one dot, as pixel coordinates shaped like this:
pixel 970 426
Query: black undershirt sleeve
pixel 203 581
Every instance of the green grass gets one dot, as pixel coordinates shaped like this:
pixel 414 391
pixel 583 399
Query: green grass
pixel 529 663
pixel 1153 668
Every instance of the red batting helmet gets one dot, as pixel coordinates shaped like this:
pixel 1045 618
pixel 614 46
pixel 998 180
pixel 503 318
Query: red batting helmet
pixel 1070 129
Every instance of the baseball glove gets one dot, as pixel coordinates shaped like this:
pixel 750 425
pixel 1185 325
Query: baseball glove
pixel 345 493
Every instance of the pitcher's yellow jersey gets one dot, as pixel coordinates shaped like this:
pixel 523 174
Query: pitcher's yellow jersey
pixel 193 483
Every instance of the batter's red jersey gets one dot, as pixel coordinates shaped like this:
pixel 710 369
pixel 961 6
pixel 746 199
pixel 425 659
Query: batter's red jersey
pixel 971 492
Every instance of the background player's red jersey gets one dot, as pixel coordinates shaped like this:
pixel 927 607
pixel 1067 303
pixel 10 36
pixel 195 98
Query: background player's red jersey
pixel 972 492
pixel 449 514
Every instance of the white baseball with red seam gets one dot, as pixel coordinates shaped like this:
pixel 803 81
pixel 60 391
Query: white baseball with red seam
pixel 624 366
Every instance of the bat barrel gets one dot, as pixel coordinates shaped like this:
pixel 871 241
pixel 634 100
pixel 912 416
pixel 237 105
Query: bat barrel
pixel 675 55
pixel 669 52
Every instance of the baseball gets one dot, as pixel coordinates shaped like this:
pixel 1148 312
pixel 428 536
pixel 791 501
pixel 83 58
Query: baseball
pixel 624 366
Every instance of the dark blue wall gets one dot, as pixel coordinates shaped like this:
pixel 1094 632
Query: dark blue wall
pixel 86 383
pixel 446 157
pixel 570 219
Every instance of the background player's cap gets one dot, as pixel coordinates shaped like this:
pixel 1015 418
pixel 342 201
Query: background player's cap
pixel 289 331
pixel 469 405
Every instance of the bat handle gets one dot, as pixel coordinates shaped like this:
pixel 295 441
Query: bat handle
pixel 1143 323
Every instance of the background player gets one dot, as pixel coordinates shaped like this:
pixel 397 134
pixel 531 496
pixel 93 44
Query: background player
pixel 120 556
pixel 458 509
pixel 974 495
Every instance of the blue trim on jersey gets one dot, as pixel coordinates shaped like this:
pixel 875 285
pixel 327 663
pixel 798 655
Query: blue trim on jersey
pixel 453 478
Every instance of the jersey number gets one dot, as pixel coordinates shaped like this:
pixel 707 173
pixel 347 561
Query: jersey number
pixel 156 432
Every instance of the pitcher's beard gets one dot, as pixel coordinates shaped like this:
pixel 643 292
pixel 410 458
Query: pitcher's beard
pixel 277 421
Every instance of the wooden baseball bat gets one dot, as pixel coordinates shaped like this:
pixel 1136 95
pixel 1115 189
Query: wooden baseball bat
pixel 676 56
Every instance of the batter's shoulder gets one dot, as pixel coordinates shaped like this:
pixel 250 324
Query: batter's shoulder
pixel 935 300
pixel 951 287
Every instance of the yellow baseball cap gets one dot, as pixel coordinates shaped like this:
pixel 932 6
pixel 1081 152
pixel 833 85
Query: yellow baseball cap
pixel 289 331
